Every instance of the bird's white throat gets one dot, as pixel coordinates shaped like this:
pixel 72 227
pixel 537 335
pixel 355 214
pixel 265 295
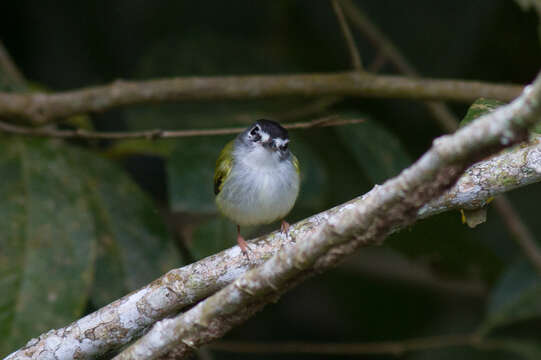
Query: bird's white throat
pixel 258 158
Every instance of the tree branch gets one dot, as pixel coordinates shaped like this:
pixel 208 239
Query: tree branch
pixel 123 320
pixel 353 51
pixel 158 133
pixel 41 108
pixel 340 231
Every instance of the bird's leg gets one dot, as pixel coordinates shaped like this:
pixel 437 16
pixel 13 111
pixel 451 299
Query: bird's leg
pixel 284 227
pixel 242 243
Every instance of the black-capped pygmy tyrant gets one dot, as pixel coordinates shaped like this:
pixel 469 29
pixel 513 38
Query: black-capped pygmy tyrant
pixel 257 179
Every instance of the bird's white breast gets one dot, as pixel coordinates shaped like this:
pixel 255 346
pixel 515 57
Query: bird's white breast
pixel 260 188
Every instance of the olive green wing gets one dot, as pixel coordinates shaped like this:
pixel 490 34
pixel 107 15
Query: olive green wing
pixel 296 164
pixel 223 167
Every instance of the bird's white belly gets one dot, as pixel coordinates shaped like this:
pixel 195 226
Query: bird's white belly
pixel 253 197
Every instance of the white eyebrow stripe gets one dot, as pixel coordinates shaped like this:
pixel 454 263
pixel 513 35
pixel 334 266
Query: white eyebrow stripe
pixel 264 136
pixel 280 141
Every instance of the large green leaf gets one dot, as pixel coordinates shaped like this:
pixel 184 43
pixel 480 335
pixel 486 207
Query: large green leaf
pixel 133 246
pixel 47 246
pixel 378 151
pixel 515 298
pixel 73 227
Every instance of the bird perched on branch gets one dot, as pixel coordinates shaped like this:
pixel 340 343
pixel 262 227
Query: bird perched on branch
pixel 257 179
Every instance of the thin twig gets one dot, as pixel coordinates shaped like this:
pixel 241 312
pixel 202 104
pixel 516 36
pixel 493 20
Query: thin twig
pixel 161 134
pixel 348 36
pixel 42 108
pixel 449 123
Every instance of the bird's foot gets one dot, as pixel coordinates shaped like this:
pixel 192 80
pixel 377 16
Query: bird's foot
pixel 284 227
pixel 243 246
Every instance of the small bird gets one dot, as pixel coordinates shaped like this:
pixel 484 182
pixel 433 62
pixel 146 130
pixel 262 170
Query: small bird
pixel 256 180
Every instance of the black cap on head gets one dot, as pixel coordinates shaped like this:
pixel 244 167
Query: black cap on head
pixel 272 128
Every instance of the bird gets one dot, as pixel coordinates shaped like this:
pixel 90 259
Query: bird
pixel 257 178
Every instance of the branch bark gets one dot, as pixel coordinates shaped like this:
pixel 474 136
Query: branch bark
pixel 126 318
pixel 41 108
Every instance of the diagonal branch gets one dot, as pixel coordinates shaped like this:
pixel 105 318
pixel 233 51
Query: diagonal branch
pixel 123 320
pixel 449 123
pixel 41 108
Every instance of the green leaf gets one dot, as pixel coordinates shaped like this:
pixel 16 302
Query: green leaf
pixel 378 151
pixel 515 298
pixel 47 246
pixel 73 227
pixel 480 107
pixel 134 247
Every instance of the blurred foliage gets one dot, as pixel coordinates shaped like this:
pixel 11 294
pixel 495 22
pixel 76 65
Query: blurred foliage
pixel 378 152
pixel 480 107
pixel 190 173
pixel 78 232
pixel 75 230
pixel 515 297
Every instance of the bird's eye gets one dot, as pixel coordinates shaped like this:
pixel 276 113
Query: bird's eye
pixel 254 133
pixel 283 147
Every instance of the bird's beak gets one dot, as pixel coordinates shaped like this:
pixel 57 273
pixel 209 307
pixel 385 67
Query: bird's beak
pixel 269 145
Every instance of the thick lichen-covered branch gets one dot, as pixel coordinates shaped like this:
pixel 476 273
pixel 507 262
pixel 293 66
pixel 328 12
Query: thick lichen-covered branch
pixel 340 231
pixel 125 319
pixel 40 108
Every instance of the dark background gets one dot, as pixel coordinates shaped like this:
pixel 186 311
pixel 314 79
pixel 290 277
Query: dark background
pixel 435 278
